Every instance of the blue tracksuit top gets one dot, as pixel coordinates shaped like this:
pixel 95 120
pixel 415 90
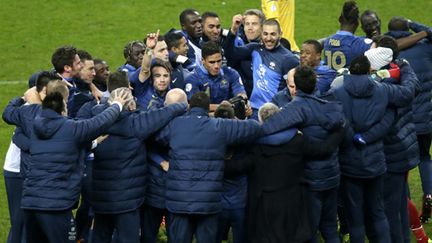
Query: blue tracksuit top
pixel 178 74
pixel 224 86
pixel 133 72
pixel 341 48
pixel 325 77
pixel 151 99
pixel 269 66
pixel 197 147
pixel 81 95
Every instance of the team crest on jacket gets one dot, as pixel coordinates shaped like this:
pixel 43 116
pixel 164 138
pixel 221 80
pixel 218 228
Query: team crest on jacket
pixel 188 87
pixel 224 83
pixel 272 65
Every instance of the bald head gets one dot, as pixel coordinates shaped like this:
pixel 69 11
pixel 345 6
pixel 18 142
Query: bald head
pixel 175 96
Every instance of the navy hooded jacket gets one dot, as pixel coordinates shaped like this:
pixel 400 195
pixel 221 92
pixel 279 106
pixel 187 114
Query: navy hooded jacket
pixel 22 116
pixel 317 118
pixel 420 59
pixel 120 165
pixel 365 102
pixel 197 148
pixel 53 181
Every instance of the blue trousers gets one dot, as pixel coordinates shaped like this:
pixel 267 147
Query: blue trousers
pixel 84 214
pixel 236 219
pixel 151 219
pixel 13 184
pixel 49 226
pixel 406 228
pixel 126 225
pixel 394 199
pixel 183 227
pixel 323 212
pixel 425 166
pixel 364 204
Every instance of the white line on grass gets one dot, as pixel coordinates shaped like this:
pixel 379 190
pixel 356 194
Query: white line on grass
pixel 13 81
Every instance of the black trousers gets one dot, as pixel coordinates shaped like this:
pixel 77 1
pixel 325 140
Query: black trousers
pixel 49 226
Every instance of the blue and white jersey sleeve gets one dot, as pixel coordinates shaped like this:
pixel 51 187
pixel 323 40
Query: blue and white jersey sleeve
pixel 193 85
pixel 236 82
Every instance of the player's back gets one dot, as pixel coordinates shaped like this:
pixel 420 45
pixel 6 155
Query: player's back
pixel 341 48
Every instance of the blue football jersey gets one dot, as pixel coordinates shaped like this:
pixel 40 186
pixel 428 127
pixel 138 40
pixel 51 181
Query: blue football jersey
pixel 341 48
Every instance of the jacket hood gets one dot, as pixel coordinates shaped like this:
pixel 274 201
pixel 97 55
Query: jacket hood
pixel 48 123
pixel 359 86
pixel 278 138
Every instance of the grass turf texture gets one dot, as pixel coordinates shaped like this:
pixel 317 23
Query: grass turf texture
pixel 31 30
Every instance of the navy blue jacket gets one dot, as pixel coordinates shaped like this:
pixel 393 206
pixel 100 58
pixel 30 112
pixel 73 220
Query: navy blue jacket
pixel 22 116
pixel 282 98
pixel 53 181
pixel 81 95
pixel 323 173
pixel 179 73
pixel 234 186
pixel 317 118
pixel 120 165
pixel 420 59
pixel 400 143
pixel 197 148
pixel 243 67
pixel 155 193
pixel 365 102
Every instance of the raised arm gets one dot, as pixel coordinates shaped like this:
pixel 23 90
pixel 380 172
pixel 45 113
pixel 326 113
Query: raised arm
pixel 233 52
pixel 12 115
pixel 151 42
pixel 239 131
pixel 289 116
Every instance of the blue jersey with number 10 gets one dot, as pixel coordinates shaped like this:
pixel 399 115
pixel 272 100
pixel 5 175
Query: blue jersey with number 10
pixel 341 48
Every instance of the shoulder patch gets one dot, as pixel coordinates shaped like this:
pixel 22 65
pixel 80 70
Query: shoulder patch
pixel 188 87
pixel 368 41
